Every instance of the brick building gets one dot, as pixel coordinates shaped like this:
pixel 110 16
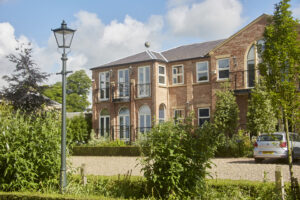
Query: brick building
pixel 131 93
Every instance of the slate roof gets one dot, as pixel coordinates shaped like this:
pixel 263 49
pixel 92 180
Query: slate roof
pixel 185 52
pixel 197 50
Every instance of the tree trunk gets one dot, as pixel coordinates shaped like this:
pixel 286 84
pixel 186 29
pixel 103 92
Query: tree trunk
pixel 290 160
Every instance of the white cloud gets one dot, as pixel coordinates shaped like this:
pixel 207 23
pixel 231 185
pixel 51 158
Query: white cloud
pixel 96 43
pixel 8 45
pixel 296 11
pixel 209 19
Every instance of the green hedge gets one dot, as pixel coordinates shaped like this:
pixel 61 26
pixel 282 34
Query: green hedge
pixel 40 196
pixel 128 187
pixel 106 151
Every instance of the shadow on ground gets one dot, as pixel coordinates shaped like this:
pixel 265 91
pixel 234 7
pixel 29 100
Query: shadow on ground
pixel 265 161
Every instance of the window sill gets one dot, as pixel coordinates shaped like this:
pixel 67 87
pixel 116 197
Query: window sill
pixel 223 80
pixel 163 86
pixel 103 100
pixel 177 85
pixel 139 98
pixel 201 83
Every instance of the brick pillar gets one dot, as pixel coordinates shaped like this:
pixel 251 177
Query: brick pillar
pixel 189 91
pixel 132 110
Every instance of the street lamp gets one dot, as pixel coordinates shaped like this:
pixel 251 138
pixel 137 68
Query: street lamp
pixel 63 36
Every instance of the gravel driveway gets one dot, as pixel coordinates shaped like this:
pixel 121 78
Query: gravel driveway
pixel 225 168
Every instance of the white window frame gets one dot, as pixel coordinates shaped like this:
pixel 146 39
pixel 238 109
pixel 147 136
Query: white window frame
pixel 145 115
pixel 126 84
pixel 202 71
pixel 178 119
pixel 124 117
pixel 104 99
pixel 223 69
pixel 161 120
pixel 146 84
pixel 162 75
pixel 205 117
pixel 176 75
pixel 104 117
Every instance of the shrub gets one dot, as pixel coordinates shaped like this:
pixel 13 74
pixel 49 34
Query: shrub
pixel 176 158
pixel 78 129
pixel 239 145
pixel 29 150
pixel 226 115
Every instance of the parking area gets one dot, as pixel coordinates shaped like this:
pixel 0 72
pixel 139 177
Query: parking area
pixel 223 168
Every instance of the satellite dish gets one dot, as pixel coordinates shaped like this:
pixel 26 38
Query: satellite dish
pixel 147 44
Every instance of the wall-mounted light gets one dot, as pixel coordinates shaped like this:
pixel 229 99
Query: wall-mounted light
pixel 111 73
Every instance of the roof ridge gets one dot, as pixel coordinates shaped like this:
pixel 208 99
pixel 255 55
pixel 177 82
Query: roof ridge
pixel 163 57
pixel 150 54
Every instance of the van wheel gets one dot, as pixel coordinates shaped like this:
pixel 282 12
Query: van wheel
pixel 258 160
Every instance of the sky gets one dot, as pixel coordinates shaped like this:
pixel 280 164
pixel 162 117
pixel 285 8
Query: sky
pixel 113 29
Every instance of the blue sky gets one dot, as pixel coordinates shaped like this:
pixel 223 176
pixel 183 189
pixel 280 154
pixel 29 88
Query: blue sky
pixel 111 29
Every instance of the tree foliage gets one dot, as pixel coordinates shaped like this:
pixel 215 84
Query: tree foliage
pixel 226 116
pixel 78 129
pixel 281 69
pixel 29 150
pixel 281 61
pixel 24 89
pixel 176 159
pixel 78 85
pixel 261 116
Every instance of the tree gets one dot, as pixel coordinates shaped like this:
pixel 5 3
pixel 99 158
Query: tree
pixel 226 115
pixel 281 67
pixel 54 92
pixel 24 90
pixel 78 85
pixel 261 116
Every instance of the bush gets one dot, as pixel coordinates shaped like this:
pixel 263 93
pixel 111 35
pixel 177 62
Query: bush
pixel 29 150
pixel 78 129
pixel 176 158
pixel 239 145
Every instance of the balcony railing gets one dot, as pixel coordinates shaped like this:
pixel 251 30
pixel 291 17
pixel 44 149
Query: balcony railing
pixel 143 90
pixel 121 92
pixel 243 79
pixel 122 132
pixel 103 94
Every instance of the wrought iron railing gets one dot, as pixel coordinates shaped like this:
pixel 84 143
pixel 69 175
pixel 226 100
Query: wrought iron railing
pixel 243 79
pixel 121 132
pixel 121 91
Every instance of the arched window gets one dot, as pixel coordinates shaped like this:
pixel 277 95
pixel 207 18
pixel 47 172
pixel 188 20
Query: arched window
pixel 124 124
pixel 251 67
pixel 253 59
pixel 162 113
pixel 104 123
pixel 144 119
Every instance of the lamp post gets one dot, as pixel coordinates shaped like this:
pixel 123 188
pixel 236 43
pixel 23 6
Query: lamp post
pixel 63 36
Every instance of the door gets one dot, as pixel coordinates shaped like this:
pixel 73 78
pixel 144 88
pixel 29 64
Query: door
pixel 124 124
pixel 104 126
